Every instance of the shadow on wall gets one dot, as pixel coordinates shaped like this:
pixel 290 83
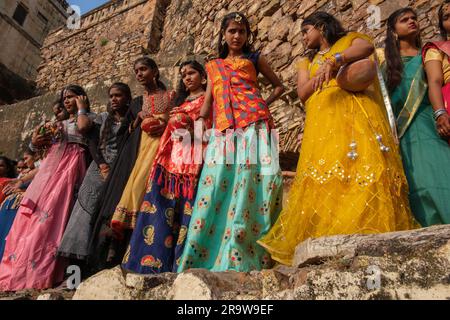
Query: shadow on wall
pixel 14 88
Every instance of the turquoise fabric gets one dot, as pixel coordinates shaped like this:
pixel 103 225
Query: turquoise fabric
pixel 236 205
pixel 426 156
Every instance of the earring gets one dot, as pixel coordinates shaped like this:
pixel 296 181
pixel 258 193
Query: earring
pixel 204 81
pixel 396 36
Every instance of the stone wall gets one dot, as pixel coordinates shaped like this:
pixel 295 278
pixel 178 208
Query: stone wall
pixel 192 27
pixel 18 120
pixel 103 48
pixel 14 88
pixel 112 36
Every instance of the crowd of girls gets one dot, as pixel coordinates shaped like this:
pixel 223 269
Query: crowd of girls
pixel 100 190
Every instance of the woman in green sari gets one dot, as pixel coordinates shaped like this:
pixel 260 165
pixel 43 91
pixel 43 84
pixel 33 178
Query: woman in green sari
pixel 426 156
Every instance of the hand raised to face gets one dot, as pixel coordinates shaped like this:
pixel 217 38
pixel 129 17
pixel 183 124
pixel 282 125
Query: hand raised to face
pixel 81 102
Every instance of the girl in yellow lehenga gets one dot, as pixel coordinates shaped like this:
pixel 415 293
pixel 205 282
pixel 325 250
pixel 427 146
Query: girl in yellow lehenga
pixel 350 177
pixel 152 120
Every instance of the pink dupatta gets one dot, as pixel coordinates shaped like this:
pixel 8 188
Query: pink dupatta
pixel 48 167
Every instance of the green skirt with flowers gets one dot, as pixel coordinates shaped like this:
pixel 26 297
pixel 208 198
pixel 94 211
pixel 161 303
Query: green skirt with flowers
pixel 238 199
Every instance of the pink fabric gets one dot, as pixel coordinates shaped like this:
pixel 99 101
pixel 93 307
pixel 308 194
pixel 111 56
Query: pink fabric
pixel 29 261
pixel 48 167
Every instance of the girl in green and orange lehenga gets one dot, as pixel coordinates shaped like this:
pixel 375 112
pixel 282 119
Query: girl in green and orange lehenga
pixel 238 197
pixel 350 176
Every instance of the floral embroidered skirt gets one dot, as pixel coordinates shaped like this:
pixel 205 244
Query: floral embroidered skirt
pixel 237 202
pixel 160 233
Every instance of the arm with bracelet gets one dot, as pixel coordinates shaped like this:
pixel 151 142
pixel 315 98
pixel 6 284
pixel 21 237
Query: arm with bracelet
pixel 433 69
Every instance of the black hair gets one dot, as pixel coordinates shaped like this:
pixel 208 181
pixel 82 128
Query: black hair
pixel 223 49
pixel 30 152
pixel 182 92
pixel 125 89
pixel 442 30
pixel 150 63
pixel 394 63
pixel 330 27
pixel 79 91
pixel 10 167
pixel 57 102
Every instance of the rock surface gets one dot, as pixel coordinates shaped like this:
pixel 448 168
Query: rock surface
pixel 402 265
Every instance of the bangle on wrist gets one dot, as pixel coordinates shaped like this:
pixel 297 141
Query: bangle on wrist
pixel 439 112
pixel 82 112
pixel 340 59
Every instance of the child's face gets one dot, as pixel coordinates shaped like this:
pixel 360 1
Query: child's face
pixel 59 112
pixel 3 168
pixel 311 37
pixel 117 99
pixel 21 166
pixel 407 25
pixel 69 102
pixel 236 35
pixel 28 161
pixel 191 78
pixel 446 17
pixel 144 75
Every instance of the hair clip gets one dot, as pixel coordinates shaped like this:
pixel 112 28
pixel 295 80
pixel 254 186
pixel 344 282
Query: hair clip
pixel 238 18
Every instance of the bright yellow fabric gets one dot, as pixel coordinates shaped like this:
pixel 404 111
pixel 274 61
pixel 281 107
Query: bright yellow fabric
pixel 331 193
pixel 381 55
pixel 303 64
pixel 435 54
pixel 126 212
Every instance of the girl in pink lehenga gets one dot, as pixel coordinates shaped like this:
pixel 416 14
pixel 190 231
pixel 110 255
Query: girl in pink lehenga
pixel 30 261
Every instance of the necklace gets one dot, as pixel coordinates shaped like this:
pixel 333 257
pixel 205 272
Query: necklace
pixel 192 98
pixel 234 58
